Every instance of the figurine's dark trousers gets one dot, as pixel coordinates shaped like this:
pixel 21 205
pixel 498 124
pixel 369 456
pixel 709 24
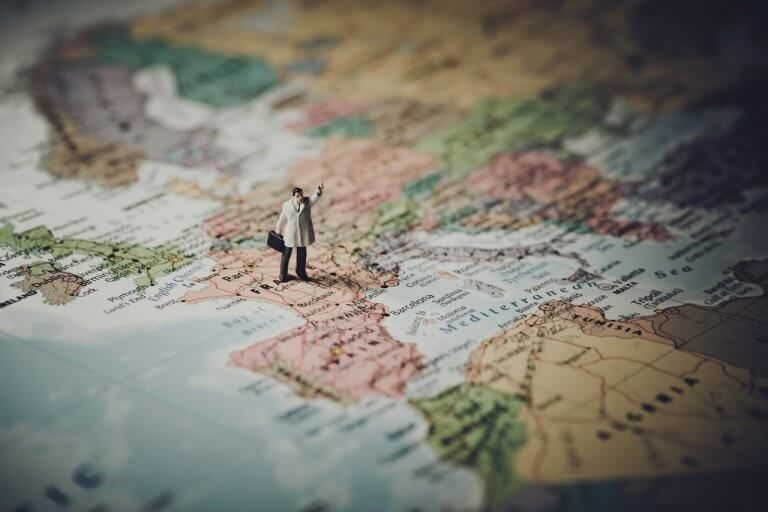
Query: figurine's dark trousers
pixel 301 262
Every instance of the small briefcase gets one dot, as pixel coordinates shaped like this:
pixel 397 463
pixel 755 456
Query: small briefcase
pixel 275 241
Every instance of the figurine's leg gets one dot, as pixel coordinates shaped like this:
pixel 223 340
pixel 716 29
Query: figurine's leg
pixel 284 259
pixel 301 263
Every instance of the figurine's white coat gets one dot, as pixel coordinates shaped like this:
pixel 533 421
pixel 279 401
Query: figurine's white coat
pixel 296 226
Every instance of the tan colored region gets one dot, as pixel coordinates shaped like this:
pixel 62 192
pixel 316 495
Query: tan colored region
pixel 593 322
pixel 223 189
pixel 705 423
pixel 604 403
pixel 447 51
pixel 551 347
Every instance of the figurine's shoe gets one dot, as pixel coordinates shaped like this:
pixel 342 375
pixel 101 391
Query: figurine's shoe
pixel 286 278
pixel 304 277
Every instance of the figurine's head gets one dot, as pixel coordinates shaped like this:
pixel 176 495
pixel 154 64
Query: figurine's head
pixel 298 193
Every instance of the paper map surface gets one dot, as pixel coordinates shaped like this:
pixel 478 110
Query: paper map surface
pixel 539 280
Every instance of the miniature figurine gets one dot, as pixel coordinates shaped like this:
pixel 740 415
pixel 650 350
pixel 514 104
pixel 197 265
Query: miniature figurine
pixel 295 224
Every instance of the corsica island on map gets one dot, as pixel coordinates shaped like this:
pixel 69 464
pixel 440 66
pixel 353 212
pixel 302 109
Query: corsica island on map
pixel 576 243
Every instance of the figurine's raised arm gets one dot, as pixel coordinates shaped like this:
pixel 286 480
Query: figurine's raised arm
pixel 316 196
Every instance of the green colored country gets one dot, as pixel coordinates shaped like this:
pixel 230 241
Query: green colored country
pixel 404 212
pixel 497 124
pixel 451 218
pixel 122 260
pixel 41 268
pixel 476 427
pixel 217 80
pixel 350 127
pixel 397 215
pixel 421 187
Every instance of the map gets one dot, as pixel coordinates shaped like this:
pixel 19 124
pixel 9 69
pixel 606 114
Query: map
pixel 539 282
